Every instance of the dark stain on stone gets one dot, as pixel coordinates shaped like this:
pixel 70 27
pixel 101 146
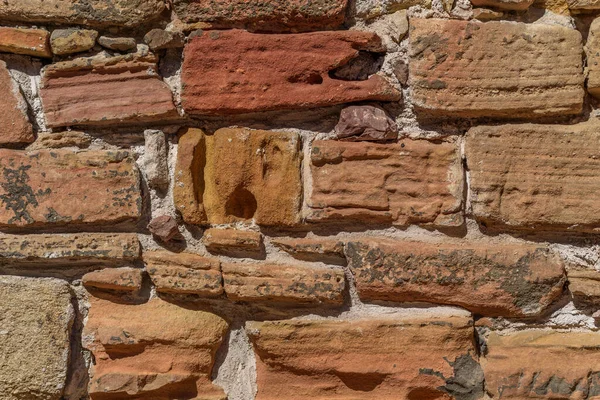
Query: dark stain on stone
pixel 18 195
pixel 466 383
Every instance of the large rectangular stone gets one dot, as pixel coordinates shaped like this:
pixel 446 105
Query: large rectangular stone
pixel 32 42
pixel 386 358
pixel 497 69
pixel 275 71
pixel 99 90
pixel 535 176
pixel 492 279
pixel 412 182
pixel 61 187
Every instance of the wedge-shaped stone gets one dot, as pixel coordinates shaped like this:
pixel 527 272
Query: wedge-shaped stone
pixel 399 357
pixel 155 350
pixel 492 279
pixel 297 284
pixel 36 315
pixel 261 183
pixel 269 15
pixel 275 71
pixel 184 273
pixel 124 279
pixel 543 364
pixel 497 69
pixel 32 42
pixel 412 182
pixel 535 176
pixel 83 12
pixel 59 187
pixel 72 247
pixel 15 127
pixel 106 90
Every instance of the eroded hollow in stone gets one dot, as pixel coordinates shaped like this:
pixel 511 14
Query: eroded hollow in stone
pixel 359 68
pixel 241 203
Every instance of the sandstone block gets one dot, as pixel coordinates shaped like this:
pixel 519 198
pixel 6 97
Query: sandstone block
pixel 101 90
pixel 36 317
pixel 296 284
pixel 592 51
pixel 117 43
pixel 184 273
pixel 269 15
pixel 369 123
pixel 58 187
pixel 31 42
pixel 124 279
pixel 369 9
pixel 155 159
pixel 15 127
pixel 57 140
pixel 101 13
pixel 189 170
pixel 535 176
pixel 155 350
pixel 485 14
pixel 232 239
pixel 262 80
pixel 412 182
pixel 399 357
pixel 69 41
pixel 497 69
pixel 311 249
pixel 518 5
pixel 491 279
pixel 542 364
pixel 70 248
pixel 159 39
pixel 584 285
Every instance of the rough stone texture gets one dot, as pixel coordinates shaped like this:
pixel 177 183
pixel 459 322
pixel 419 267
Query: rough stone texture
pixel 189 184
pixel 155 159
pixel 311 249
pixel 369 123
pixel 412 182
pixel 32 42
pixel 296 284
pixel 390 28
pixel 64 248
pixel 258 78
pixel 117 43
pixel 164 227
pixel 261 183
pixel 583 4
pixel 232 239
pixel 59 187
pixel 155 350
pixel 535 176
pixel 106 90
pixel 405 357
pixel 184 273
pixel 584 285
pixel 518 5
pixel 496 69
pixel 491 279
pixel 35 319
pixel 369 9
pixel 485 14
pixel 57 140
pixel 592 51
pixel 159 39
pixel 125 279
pixel 15 127
pixel 101 13
pixel 543 364
pixel 268 15
pixel 69 41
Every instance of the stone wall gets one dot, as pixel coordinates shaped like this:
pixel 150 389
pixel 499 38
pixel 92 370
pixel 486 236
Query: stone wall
pixel 301 199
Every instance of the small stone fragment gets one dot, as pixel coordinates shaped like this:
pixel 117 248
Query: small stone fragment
pixel 124 279
pixel 69 41
pixel 117 43
pixel 31 42
pixel 401 72
pixel 164 227
pixel 368 123
pixel 155 159
pixel 159 39
pixel 232 239
pixel 15 127
pixel 57 140
pixel 485 14
pixel 184 273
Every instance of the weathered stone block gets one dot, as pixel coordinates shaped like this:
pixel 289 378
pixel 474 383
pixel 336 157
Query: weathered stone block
pixel 155 350
pixel 584 285
pixel 269 15
pixel 518 5
pixel 83 12
pixel 412 182
pixel 15 127
pixel 184 273
pixel 125 279
pixel 69 41
pixel 296 284
pixel 311 248
pixel 35 319
pixel 189 171
pixel 511 280
pixel 592 51
pixel 399 357
pixel 542 364
pixel 31 42
pixel 368 123
pixel 232 239
pixel 263 80
pixel 59 187
pixel 102 90
pixel 535 176
pixel 497 69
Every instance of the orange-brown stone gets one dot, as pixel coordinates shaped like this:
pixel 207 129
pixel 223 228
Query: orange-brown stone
pixel 15 127
pixel 259 78
pixel 325 249
pixel 398 357
pixel 232 239
pixel 189 174
pixel 59 187
pixel 124 279
pixel 491 279
pixel 412 182
pixel 155 350
pixel 31 42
